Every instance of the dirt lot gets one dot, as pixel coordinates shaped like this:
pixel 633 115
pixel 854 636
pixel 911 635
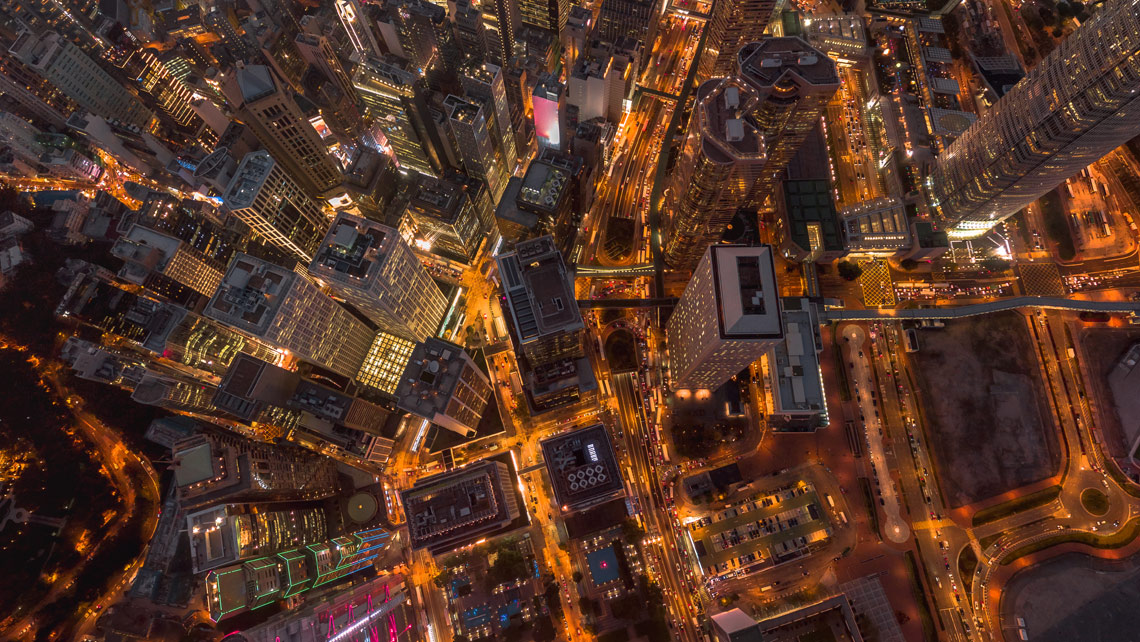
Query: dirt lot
pixel 1075 597
pixel 985 406
pixel 1101 347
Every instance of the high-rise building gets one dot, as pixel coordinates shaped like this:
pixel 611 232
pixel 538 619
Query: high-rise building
pixel 36 95
pixel 728 317
pixel 793 82
pixel 723 156
pixel 318 51
pixel 252 584
pixel 458 507
pixel 379 609
pixel 444 385
pixel 479 150
pixel 151 256
pixel 502 22
pixel 394 98
pixel 270 109
pixel 173 96
pixel 549 99
pixel 270 202
pixel 545 14
pixel 286 310
pixel 545 325
pixel 736 626
pixel 1078 104
pixel 371 267
pixel 360 33
pixel 215 465
pixel 65 66
pixel 733 24
pixel 484 82
pixel 635 19
pixel 443 217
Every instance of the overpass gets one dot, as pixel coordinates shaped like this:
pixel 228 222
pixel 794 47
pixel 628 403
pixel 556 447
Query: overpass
pixel 591 271
pixel 626 303
pixel 975 309
pixel 642 89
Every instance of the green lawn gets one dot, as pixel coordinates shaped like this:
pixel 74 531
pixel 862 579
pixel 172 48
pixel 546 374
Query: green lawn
pixel 1023 503
pixel 1117 540
pixel 1094 501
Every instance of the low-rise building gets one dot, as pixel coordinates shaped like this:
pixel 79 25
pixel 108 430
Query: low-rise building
pixel 583 469
pixel 444 385
pixel 458 507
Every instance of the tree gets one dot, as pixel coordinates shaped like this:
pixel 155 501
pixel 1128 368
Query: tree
pixel 995 264
pixel 576 576
pixel 908 264
pixel 849 270
pixel 509 566
pixel 631 532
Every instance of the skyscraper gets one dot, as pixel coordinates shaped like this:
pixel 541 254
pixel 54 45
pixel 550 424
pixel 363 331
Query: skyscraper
pixel 794 82
pixel 268 200
pixel 728 317
pixel 65 66
pixel 545 14
pixel 275 117
pixel 395 99
pixel 635 19
pixel 549 101
pixel 372 268
pixel 733 23
pixel 286 310
pixel 1078 104
pixel 484 82
pixel 479 150
pixel 444 385
pixel 721 160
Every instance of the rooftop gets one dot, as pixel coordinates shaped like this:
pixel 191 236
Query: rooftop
pixel 255 82
pixel 430 386
pixel 727 133
pixel 749 302
pixel 250 294
pixel 582 467
pixel 353 250
pixel 438 198
pixel 248 179
pixel 539 290
pixel 543 187
pixel 459 506
pixel 798 386
pixel 779 60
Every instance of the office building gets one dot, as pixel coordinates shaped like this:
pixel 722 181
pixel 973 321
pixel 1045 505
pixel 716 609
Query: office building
pixel 459 507
pixel 728 317
pixel 583 468
pixel 395 99
pixel 258 582
pixel 382 605
pixel 1077 105
pixel 357 25
pixel 793 82
pixel 480 152
pixel 636 19
pixel 318 51
pixel 795 399
pixel 484 83
pixel 371 267
pixel 36 95
pixel 267 199
pixel 549 15
pixel 172 95
pixel 549 101
pixel 444 219
pixel 151 257
pixel 733 24
pixel 876 228
pixel 443 385
pixel 271 111
pixel 68 68
pixel 471 35
pixel 722 157
pixel 735 626
pixel 603 79
pixel 229 533
pixel 213 466
pixel 545 325
pixel 284 309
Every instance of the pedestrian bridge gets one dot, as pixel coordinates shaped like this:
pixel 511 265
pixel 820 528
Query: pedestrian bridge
pixel 627 303
pixel 975 309
pixel 596 271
